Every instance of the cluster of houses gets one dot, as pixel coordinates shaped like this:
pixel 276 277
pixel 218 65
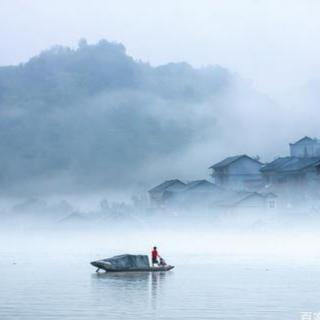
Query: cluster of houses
pixel 244 182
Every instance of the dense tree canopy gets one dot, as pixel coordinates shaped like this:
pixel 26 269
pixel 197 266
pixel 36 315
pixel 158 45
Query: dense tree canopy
pixel 93 116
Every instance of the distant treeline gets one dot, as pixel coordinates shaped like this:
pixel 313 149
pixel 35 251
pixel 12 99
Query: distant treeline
pixel 94 117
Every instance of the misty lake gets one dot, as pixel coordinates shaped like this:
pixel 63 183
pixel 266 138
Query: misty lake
pixel 43 284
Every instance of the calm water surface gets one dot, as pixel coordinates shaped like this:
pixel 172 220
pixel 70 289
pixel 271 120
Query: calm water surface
pixel 47 286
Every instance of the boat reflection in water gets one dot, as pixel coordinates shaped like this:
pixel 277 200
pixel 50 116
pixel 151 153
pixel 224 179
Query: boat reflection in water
pixel 135 289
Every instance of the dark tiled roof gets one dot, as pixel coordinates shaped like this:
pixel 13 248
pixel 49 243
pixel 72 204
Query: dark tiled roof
pixel 167 184
pixel 289 164
pixel 199 183
pixel 226 162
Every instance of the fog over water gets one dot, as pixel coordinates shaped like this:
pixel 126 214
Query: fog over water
pixel 101 102
pixel 223 275
pixel 84 141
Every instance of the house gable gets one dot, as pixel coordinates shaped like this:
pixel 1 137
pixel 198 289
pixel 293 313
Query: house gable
pixel 238 164
pixel 200 185
pixel 169 185
pixel 245 166
pixel 231 160
pixel 305 148
pixel 303 140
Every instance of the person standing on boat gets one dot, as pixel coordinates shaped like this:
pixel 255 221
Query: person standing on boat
pixel 155 256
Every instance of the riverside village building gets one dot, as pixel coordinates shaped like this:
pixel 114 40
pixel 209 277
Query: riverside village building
pixel 242 181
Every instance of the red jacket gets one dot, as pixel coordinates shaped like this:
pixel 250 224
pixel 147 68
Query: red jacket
pixel 154 254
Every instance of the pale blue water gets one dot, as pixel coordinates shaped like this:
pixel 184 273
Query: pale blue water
pixel 48 286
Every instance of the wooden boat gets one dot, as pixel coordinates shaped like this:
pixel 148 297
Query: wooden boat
pixel 150 269
pixel 128 263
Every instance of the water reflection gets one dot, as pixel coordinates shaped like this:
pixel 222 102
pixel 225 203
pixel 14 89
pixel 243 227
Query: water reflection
pixel 130 287
pixel 227 289
pixel 122 276
pixel 157 282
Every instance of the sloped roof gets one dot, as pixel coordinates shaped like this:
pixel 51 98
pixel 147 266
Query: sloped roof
pixel 195 192
pixel 275 164
pixel 269 195
pixel 290 164
pixel 232 198
pixel 167 184
pixel 248 196
pixel 199 183
pixel 306 138
pixel 227 161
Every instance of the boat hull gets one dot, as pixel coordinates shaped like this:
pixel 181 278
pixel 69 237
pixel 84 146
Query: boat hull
pixel 150 269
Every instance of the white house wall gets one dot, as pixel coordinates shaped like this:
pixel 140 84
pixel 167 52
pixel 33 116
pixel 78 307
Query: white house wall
pixel 305 149
pixel 239 172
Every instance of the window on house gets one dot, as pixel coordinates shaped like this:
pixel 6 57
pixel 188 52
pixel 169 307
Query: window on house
pixel 272 204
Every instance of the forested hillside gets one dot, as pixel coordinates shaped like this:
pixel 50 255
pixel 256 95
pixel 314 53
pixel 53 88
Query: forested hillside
pixel 94 117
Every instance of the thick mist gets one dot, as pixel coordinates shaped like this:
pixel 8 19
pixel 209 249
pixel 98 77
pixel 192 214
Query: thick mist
pixel 87 131
pixel 94 119
pixel 181 129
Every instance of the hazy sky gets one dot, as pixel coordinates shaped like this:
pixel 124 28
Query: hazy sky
pixel 273 42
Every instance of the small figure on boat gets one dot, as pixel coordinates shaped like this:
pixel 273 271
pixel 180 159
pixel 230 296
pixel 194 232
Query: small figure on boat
pixel 162 262
pixel 154 256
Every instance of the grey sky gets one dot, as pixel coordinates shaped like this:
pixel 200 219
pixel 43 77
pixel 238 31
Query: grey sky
pixel 273 42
